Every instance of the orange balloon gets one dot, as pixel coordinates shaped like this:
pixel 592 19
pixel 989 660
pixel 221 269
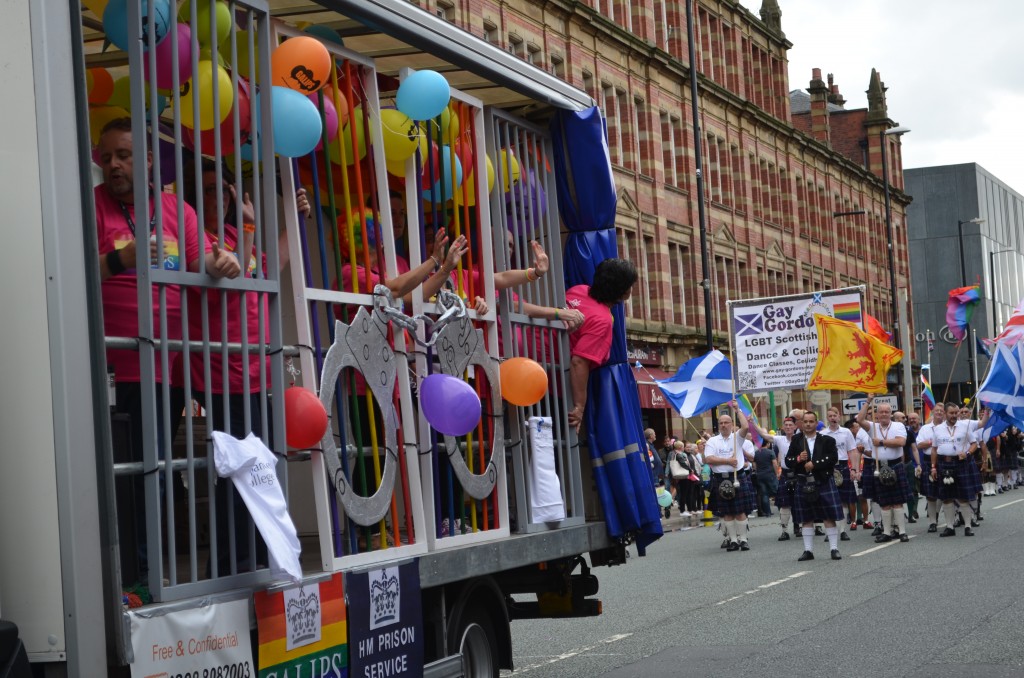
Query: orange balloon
pixel 523 381
pixel 302 64
pixel 102 86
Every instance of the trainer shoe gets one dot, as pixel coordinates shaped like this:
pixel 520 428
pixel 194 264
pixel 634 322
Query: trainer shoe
pixel 868 524
pixel 686 514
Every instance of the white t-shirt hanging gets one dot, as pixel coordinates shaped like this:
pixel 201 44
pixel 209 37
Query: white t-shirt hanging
pixel 253 470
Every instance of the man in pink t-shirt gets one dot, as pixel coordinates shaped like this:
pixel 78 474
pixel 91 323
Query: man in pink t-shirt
pixel 590 345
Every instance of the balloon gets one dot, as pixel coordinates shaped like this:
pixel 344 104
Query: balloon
pixel 164 60
pixel 99 116
pixel 324 33
pixel 227 128
pixel 436 192
pixel 400 136
pixel 423 95
pixel 305 419
pixel 297 126
pixel 528 201
pixel 121 96
pixel 664 497
pixel 509 166
pixel 346 139
pixel 471 179
pixel 222 21
pixel 449 404
pixel 115 21
pixel 330 120
pixel 523 381
pixel 96 6
pixel 242 47
pixel 301 63
pixel 102 86
pixel 449 127
pixel 207 72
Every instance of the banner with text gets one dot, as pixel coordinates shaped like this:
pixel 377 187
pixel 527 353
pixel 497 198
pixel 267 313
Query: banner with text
pixel 210 640
pixel 775 342
pixel 385 621
pixel 302 631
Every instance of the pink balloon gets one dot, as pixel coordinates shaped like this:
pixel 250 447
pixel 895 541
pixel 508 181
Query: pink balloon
pixel 330 118
pixel 164 64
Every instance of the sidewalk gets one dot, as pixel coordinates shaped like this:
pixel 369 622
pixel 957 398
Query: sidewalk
pixel 677 522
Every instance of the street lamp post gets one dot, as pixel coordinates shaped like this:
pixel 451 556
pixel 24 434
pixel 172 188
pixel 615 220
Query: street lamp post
pixel 992 287
pixel 896 330
pixel 972 357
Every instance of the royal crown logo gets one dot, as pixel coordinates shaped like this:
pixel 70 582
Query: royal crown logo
pixel 385 597
pixel 302 611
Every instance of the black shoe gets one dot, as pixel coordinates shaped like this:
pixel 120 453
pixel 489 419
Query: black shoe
pixel 825 540
pixel 882 538
pixel 744 546
pixel 819 532
pixel 948 532
pixel 980 518
pixel 968 532
pixel 725 543
pixel 916 516
pixel 904 538
pixel 933 528
pixel 806 555
pixel 911 519
pixel 844 537
pixel 733 546
pixel 784 536
pixel 877 532
pixel 895 534
pixel 835 555
pixel 668 513
pixel 974 523
pixel 959 520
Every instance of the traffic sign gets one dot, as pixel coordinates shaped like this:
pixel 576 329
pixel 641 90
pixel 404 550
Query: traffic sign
pixel 853 405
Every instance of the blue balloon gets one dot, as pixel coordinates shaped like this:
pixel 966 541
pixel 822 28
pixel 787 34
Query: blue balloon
pixel 449 404
pixel 435 194
pixel 297 125
pixel 423 95
pixel 324 33
pixel 115 21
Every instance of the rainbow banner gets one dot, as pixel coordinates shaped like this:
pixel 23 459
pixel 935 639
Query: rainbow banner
pixel 927 398
pixel 849 311
pixel 960 308
pixel 748 411
pixel 303 631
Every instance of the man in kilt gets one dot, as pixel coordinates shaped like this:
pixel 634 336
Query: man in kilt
pixel 813 457
pixel 925 443
pixel 953 471
pixel 721 453
pixel 889 481
pixel 784 493
pixel 846 447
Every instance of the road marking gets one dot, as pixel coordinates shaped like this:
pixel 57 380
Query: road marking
pixel 1009 503
pixel 764 586
pixel 571 653
pixel 878 548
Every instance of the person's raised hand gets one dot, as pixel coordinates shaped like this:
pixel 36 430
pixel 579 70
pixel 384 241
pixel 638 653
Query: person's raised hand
pixel 248 211
pixel 541 263
pixel 456 252
pixel 223 264
pixel 302 202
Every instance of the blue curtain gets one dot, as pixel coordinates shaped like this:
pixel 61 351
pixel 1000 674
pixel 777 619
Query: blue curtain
pixel 618 451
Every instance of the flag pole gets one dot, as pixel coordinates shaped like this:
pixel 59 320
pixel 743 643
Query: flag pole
pixel 974 366
pixel 737 448
pixel 952 365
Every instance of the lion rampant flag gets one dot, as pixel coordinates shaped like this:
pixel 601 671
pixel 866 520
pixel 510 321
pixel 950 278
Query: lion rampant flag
pixel 850 359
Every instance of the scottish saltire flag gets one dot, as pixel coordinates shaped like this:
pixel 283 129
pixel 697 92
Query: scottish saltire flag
pixel 996 424
pixel 982 348
pixel 699 384
pixel 1013 331
pixel 960 308
pixel 927 397
pixel 748 411
pixel 1003 388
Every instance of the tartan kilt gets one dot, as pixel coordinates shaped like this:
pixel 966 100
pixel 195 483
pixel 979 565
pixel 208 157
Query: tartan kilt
pixel 826 507
pixel 1002 463
pixel 967 484
pixel 745 500
pixel 928 488
pixel 867 480
pixel 847 493
pixel 784 495
pixel 1014 460
pixel 891 495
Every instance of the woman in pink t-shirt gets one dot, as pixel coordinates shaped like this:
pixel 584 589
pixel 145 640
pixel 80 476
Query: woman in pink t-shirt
pixel 592 342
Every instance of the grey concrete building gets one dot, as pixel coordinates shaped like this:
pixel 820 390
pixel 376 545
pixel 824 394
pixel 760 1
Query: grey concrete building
pixel 954 204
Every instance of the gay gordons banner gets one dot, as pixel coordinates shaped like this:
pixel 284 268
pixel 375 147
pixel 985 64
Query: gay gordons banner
pixel 303 631
pixel 775 342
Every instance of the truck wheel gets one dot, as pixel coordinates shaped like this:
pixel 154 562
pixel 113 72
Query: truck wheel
pixel 474 636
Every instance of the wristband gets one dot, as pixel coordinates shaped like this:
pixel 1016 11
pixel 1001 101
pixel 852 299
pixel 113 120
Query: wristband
pixel 530 275
pixel 114 263
pixel 437 263
pixel 556 314
pixel 248 227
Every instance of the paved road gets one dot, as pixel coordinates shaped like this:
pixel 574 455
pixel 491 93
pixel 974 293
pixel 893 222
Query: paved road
pixel 932 607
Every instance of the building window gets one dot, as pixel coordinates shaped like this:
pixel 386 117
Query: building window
pixel 613 116
pixel 588 85
pixel 445 10
pixel 646 278
pixel 490 31
pixel 516 45
pixel 641 146
pixel 557 66
pixel 678 256
pixel 533 54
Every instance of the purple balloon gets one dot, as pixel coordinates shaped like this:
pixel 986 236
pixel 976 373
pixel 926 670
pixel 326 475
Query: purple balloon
pixel 528 199
pixel 450 405
pixel 164 64
pixel 330 119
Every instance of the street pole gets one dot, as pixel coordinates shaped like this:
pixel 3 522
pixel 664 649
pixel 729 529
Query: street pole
pixel 892 255
pixel 701 217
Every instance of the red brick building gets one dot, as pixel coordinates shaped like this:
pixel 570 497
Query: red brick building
pixel 778 164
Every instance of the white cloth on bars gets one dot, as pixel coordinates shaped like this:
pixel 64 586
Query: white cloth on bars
pixel 253 470
pixel 545 488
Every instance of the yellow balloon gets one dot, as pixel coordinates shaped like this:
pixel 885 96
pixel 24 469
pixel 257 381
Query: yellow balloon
pixel 510 171
pixel 400 136
pixel 471 183
pixel 346 138
pixel 490 174
pixel 96 6
pixel 225 97
pixel 242 45
pixel 202 33
pixel 99 116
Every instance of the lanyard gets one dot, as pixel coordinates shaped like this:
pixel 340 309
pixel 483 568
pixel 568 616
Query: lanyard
pixel 131 222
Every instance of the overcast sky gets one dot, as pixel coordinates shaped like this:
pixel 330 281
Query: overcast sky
pixel 954 69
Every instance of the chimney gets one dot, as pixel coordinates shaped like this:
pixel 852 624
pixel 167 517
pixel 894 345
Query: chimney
pixel 834 97
pixel 819 108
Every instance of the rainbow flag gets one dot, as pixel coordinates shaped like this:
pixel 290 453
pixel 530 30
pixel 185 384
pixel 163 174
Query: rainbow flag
pixel 927 397
pixel 849 311
pixel 748 411
pixel 960 308
pixel 302 627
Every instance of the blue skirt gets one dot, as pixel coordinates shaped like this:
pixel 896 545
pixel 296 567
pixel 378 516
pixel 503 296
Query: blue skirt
pixel 847 492
pixel 744 501
pixel 928 489
pixel 895 494
pixel 784 495
pixel 867 480
pixel 826 507
pixel 967 483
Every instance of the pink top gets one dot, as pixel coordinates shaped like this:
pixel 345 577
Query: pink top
pixel 593 340
pixel 234 313
pixel 120 292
